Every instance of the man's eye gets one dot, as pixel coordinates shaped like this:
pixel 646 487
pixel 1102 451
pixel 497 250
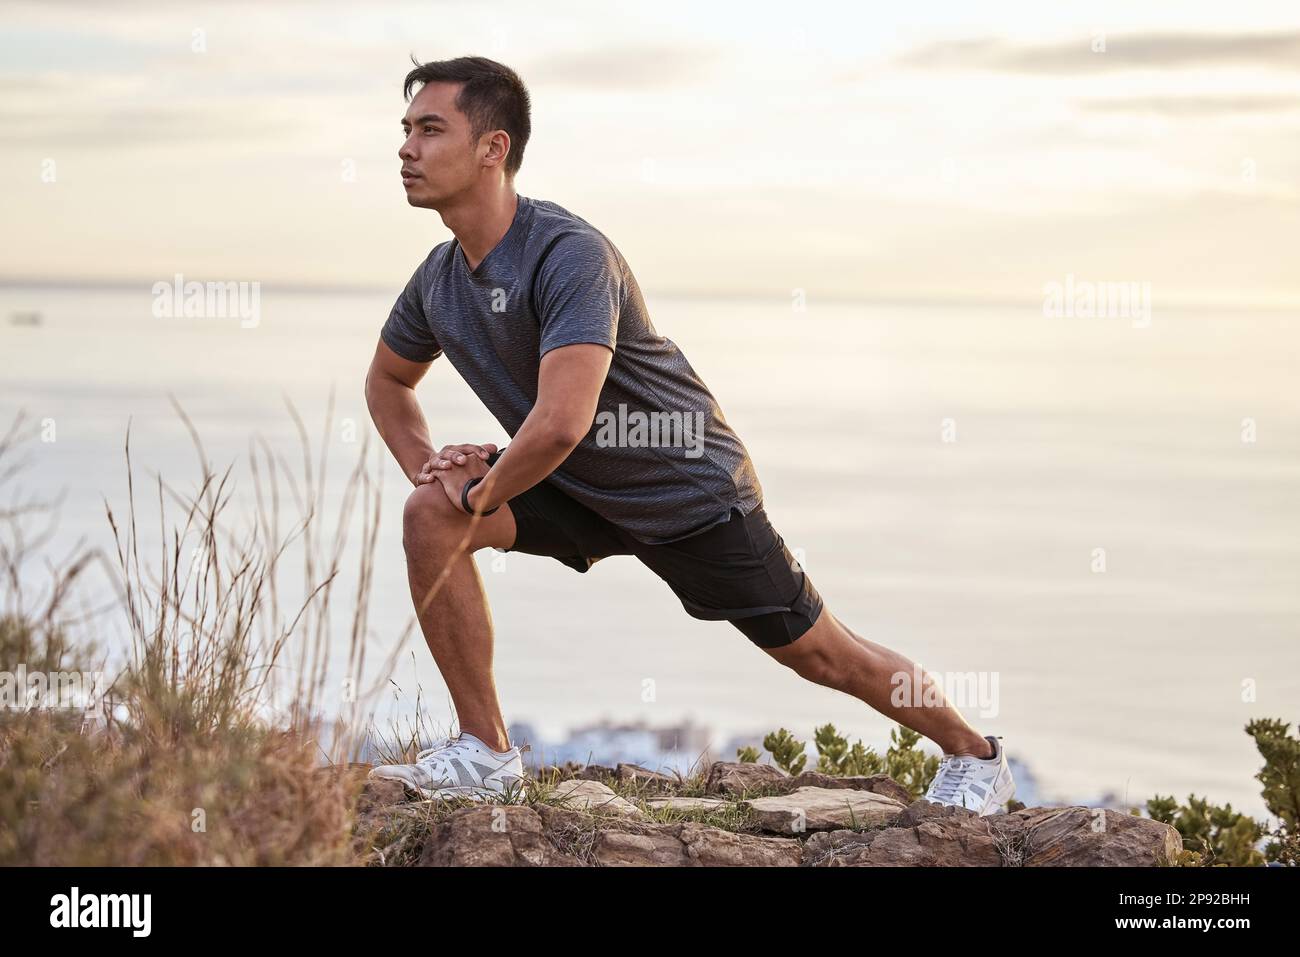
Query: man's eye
pixel 430 129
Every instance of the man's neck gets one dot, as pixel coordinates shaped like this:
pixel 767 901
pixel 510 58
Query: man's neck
pixel 479 226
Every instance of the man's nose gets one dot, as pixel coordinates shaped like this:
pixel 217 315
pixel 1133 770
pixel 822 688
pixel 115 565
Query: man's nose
pixel 405 152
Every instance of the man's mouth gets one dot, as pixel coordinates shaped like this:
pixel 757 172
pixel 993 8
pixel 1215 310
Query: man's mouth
pixel 409 176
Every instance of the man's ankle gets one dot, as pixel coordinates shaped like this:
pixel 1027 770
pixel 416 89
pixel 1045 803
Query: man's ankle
pixel 983 751
pixel 498 743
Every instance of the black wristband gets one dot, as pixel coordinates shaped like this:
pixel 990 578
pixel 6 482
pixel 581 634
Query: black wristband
pixel 464 498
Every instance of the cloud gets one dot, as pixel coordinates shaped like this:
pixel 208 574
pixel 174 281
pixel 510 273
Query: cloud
pixel 647 67
pixel 133 127
pixel 1194 105
pixel 1133 52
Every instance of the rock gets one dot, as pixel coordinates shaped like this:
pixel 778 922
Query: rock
pixel 644 778
pixel 714 847
pixel 679 803
pixel 923 835
pixel 581 795
pixel 836 848
pixel 1091 837
pixel 651 847
pixel 933 835
pixel 922 810
pixel 878 783
pixel 593 772
pixel 739 778
pixel 823 809
pixel 503 835
pixel 376 794
pixel 617 842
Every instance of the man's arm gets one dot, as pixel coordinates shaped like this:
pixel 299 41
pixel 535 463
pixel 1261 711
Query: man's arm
pixel 569 381
pixel 390 396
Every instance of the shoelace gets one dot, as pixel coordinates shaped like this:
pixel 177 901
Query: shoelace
pixel 427 752
pixel 953 773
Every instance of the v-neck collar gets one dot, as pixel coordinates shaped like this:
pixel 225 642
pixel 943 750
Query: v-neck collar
pixel 520 202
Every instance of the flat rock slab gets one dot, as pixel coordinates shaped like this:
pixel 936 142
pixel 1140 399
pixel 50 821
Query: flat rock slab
pixel 880 783
pixel 824 809
pixel 579 795
pixel 689 803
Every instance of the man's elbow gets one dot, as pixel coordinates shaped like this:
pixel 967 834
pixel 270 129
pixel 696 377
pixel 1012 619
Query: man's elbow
pixel 564 434
pixel 369 390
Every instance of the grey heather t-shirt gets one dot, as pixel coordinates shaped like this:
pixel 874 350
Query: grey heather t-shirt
pixel 660 460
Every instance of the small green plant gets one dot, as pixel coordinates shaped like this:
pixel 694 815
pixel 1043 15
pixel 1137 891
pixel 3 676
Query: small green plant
pixel 787 752
pixel 1219 836
pixel 747 755
pixel 1281 779
pixel 836 757
pixel 1211 834
pixel 903 761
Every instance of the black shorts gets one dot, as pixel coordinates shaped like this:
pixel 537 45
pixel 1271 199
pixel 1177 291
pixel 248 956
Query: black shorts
pixel 738 571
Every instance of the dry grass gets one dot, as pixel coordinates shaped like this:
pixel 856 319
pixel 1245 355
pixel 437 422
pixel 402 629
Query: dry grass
pixel 200 754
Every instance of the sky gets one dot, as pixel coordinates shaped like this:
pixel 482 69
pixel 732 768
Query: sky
pixel 948 151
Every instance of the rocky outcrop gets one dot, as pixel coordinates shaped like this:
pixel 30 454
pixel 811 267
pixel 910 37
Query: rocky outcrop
pixel 929 835
pixel 780 821
pixel 624 843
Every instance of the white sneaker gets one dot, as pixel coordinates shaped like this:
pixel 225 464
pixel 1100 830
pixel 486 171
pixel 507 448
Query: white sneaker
pixel 982 785
pixel 461 766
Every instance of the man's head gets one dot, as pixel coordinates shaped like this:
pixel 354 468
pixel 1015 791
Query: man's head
pixel 469 120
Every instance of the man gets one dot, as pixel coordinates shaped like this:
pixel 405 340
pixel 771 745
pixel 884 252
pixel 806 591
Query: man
pixel 542 317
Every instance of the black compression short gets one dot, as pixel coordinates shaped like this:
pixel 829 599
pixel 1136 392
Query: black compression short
pixel 738 570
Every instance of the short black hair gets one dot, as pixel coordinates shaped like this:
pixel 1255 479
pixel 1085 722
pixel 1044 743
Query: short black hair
pixel 492 97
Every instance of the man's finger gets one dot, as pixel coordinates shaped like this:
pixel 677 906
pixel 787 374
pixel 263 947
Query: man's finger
pixel 453 455
pixel 457 453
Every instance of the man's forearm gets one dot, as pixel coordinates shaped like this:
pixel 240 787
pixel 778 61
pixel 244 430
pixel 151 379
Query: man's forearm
pixel 534 452
pixel 397 415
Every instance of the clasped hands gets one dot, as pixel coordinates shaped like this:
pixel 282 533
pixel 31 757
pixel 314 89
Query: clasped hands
pixel 453 466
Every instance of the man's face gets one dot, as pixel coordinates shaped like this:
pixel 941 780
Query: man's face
pixel 438 158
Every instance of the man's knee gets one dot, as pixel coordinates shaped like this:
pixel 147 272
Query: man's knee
pixel 813 655
pixel 430 521
pixel 813 664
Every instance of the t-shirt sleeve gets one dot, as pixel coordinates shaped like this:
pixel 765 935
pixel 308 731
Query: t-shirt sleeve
pixel 407 330
pixel 579 292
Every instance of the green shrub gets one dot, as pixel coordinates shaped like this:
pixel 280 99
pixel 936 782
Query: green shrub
pixel 787 753
pixel 1211 834
pixel 1281 779
pixel 902 761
